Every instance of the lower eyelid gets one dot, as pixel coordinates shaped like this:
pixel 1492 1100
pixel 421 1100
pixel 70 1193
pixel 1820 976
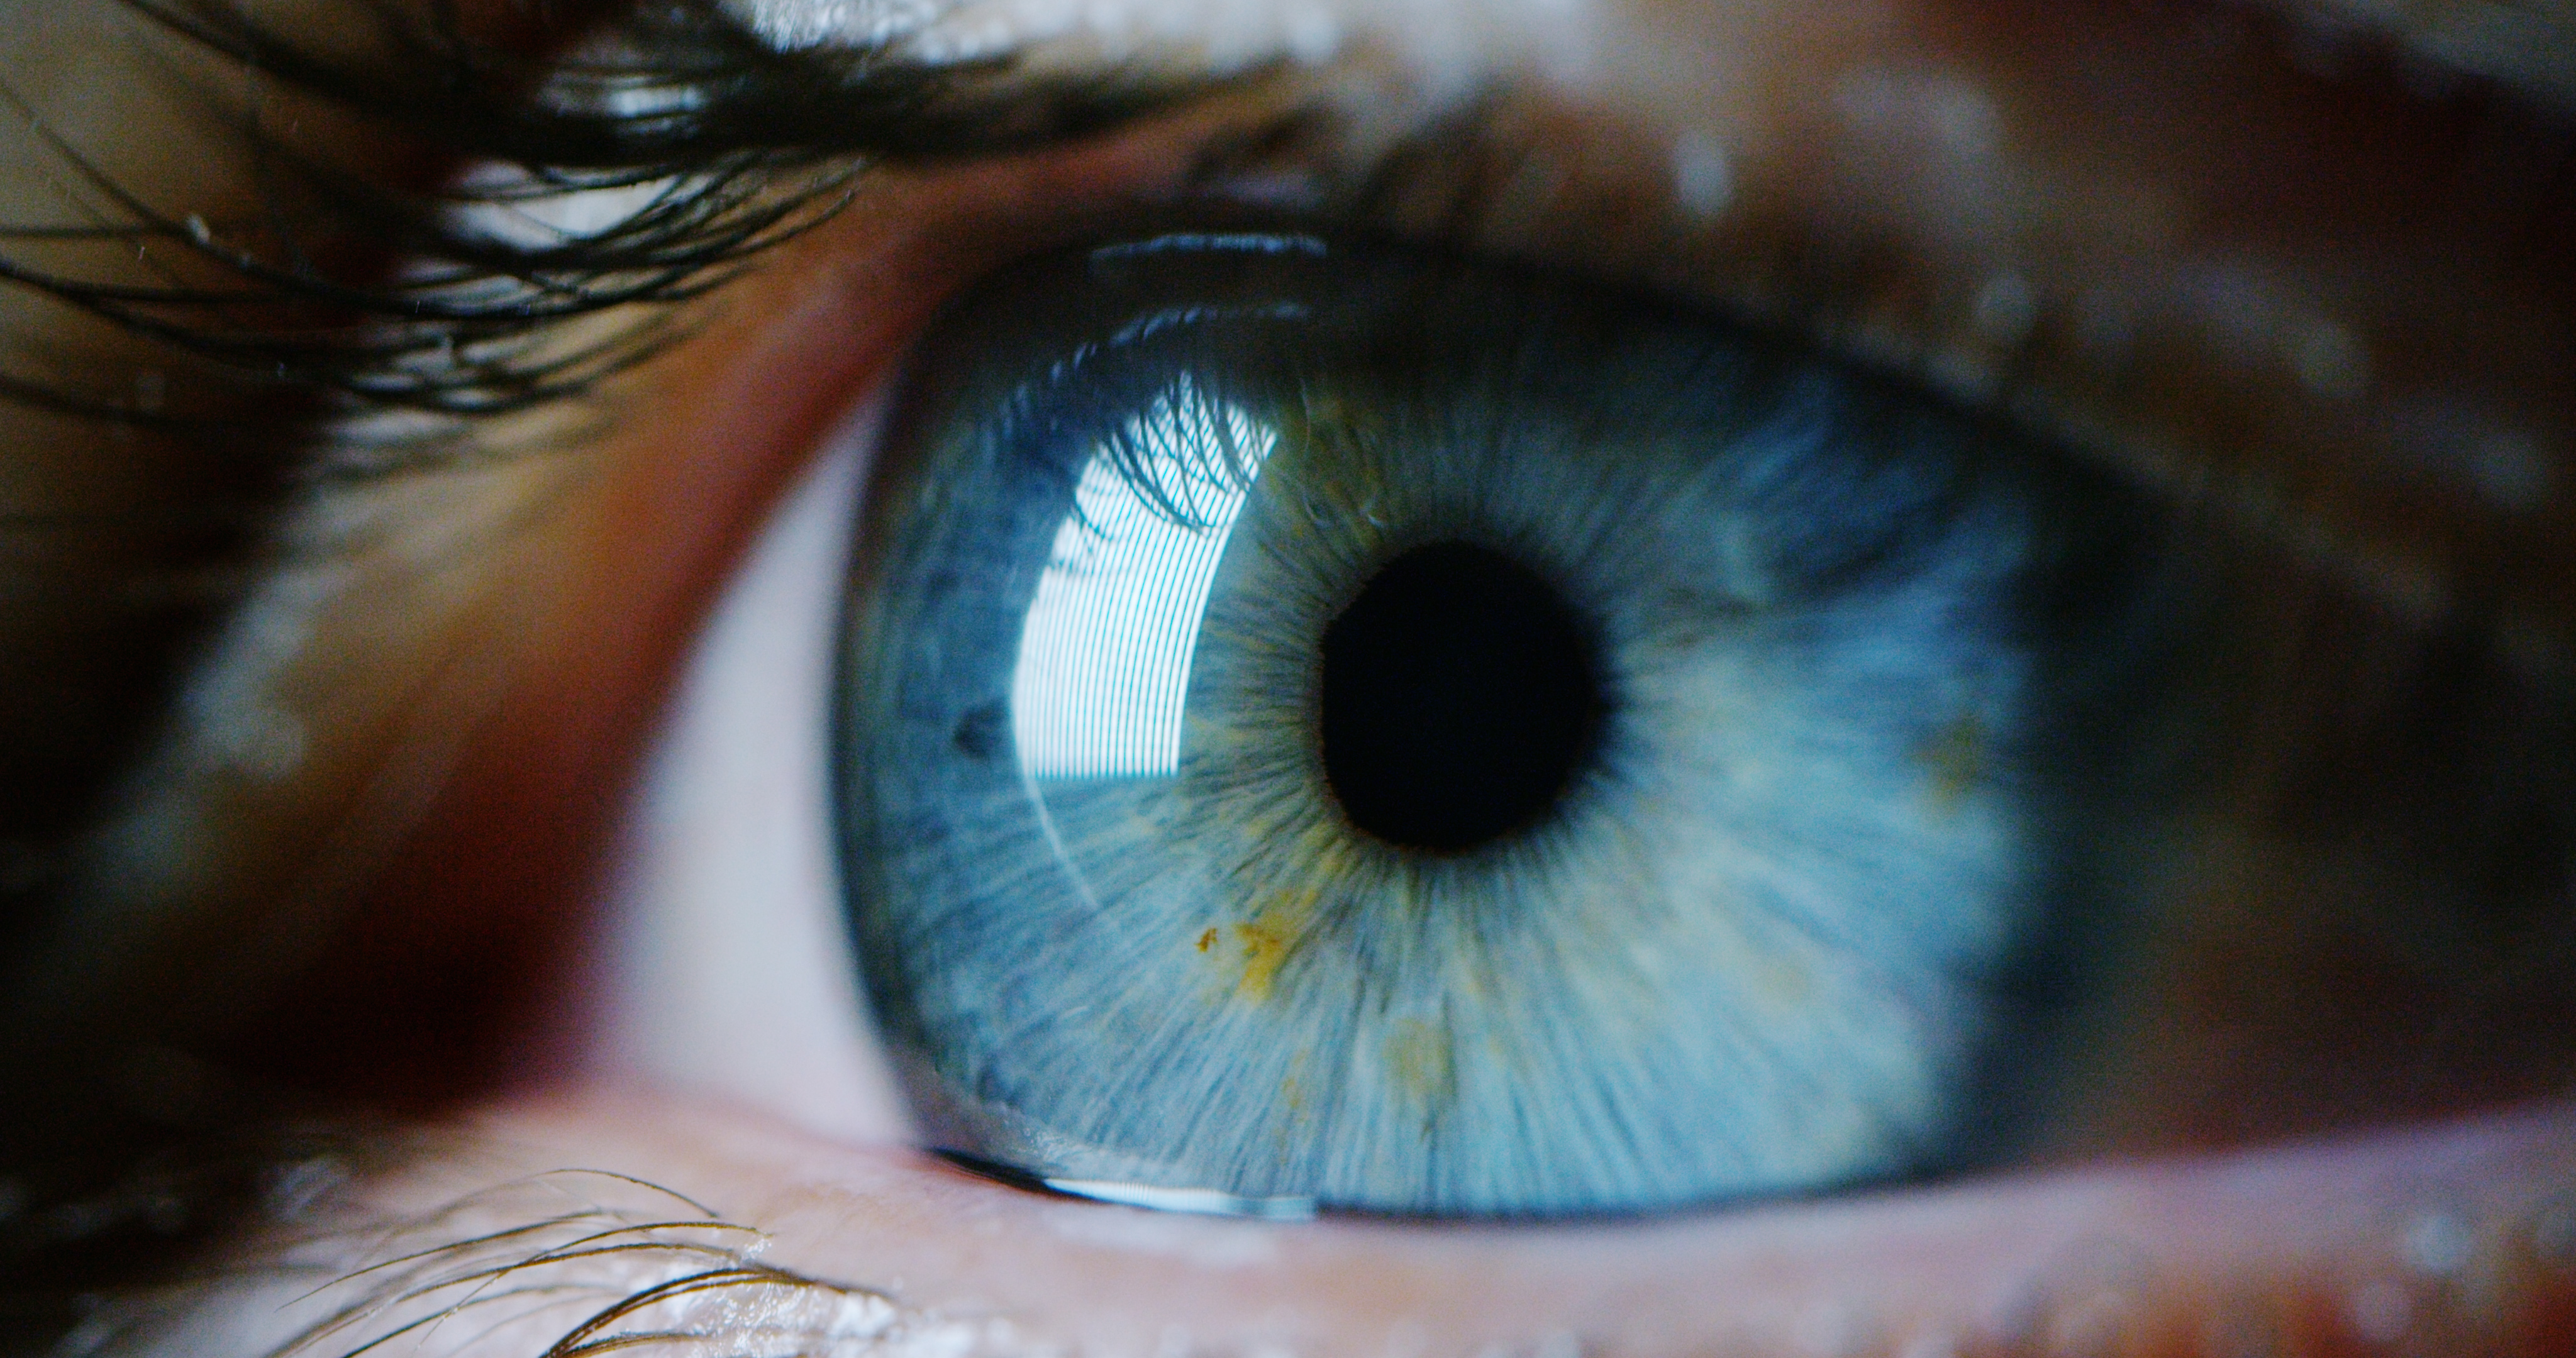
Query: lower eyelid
pixel 2447 1240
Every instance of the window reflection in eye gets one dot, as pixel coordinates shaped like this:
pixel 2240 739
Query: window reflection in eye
pixel 2116 957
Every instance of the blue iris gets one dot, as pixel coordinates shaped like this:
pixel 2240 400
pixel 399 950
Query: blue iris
pixel 1323 723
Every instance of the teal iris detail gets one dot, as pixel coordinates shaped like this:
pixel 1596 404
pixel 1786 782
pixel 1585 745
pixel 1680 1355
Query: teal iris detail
pixel 1323 723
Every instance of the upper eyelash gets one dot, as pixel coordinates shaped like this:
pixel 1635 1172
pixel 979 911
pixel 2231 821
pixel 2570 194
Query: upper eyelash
pixel 731 148
pixel 727 146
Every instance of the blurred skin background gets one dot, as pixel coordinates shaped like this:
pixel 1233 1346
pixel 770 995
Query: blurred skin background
pixel 358 737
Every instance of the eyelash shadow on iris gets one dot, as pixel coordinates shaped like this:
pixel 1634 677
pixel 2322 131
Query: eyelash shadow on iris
pixel 1329 724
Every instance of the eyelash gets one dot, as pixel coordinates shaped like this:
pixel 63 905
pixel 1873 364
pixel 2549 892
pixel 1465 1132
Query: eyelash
pixel 470 303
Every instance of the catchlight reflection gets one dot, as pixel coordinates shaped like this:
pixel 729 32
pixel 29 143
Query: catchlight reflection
pixel 1104 663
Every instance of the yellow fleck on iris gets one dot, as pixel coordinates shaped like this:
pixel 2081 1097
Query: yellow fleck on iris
pixel 1207 940
pixel 1264 949
pixel 1419 1060
pixel 1270 936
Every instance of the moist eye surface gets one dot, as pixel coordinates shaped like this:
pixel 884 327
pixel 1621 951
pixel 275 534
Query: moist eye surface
pixel 1323 722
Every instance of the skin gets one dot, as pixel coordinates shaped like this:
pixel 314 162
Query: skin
pixel 2229 266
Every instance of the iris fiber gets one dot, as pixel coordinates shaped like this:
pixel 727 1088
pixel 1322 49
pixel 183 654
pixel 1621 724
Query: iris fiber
pixel 1612 769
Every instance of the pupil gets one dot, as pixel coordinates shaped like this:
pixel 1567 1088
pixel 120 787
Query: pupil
pixel 1460 693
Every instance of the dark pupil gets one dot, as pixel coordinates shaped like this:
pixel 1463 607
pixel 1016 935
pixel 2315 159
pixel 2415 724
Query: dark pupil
pixel 1460 694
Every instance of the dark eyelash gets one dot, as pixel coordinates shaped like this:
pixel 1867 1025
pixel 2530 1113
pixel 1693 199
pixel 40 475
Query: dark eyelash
pixel 731 147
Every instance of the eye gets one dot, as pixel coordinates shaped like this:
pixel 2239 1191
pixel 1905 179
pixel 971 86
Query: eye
pixel 1323 723
pixel 1885 791
pixel 2017 831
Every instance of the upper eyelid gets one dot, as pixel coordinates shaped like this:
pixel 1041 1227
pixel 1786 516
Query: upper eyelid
pixel 482 334
pixel 1499 130
pixel 2392 512
pixel 661 108
pixel 1286 122
pixel 643 170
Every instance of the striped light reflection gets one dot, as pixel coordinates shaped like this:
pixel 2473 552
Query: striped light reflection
pixel 1104 663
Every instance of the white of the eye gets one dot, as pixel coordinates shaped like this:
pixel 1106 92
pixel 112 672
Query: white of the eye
pixel 726 971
